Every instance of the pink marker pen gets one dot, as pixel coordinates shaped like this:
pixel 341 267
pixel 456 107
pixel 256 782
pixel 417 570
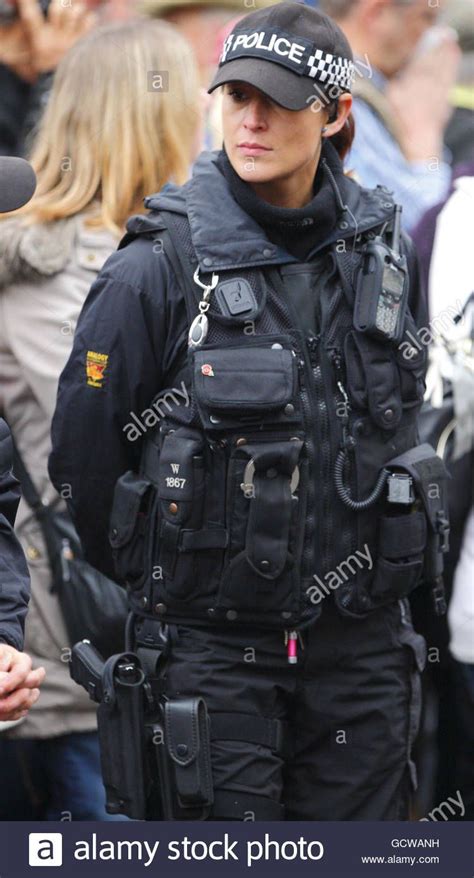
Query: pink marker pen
pixel 292 647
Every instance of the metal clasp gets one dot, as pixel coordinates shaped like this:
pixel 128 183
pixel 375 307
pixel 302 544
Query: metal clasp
pixel 208 288
pixel 443 528
pixel 247 485
pixel 200 326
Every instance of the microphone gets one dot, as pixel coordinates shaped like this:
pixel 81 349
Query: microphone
pixel 17 183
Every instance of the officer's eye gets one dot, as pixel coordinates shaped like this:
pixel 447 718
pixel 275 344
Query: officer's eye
pixel 237 95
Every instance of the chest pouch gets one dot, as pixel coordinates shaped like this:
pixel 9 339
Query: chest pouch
pixel 248 402
pixel 181 479
pixel 374 379
pixel 271 478
pixel 246 385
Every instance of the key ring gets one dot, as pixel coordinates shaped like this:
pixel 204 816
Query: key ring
pixel 200 325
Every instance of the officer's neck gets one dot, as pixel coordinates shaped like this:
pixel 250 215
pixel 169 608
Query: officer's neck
pixel 293 191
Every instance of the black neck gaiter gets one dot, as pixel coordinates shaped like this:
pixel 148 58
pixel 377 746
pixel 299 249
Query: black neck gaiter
pixel 296 230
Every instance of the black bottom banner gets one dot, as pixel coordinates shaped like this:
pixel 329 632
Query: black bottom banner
pixel 172 850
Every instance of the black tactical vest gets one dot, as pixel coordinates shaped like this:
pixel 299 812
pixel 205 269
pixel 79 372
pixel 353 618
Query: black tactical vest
pixel 235 515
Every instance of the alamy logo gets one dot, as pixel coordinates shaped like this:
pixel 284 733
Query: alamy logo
pixel 45 849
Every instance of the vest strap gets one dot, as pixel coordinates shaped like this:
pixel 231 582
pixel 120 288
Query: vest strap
pixel 211 538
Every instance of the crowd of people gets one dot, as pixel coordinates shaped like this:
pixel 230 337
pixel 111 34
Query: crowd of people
pixel 108 100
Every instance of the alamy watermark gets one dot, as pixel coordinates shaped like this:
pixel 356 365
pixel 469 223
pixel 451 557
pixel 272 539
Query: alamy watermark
pixel 448 806
pixel 426 335
pixel 339 576
pixel 149 417
pixel 325 96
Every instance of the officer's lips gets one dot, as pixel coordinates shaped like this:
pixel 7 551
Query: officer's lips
pixel 253 148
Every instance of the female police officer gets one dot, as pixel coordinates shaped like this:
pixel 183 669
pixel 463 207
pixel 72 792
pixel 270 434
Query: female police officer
pixel 267 543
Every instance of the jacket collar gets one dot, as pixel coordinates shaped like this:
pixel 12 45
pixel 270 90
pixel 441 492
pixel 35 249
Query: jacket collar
pixel 225 237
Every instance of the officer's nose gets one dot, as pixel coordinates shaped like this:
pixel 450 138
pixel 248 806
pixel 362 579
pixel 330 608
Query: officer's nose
pixel 255 115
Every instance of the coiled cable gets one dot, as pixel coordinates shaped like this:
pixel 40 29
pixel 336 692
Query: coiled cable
pixel 343 493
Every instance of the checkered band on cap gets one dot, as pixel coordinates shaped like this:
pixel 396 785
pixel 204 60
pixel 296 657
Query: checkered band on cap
pixel 327 68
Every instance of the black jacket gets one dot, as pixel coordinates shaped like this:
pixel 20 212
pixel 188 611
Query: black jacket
pixel 14 577
pixel 132 333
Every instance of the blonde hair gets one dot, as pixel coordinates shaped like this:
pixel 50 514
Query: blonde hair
pixel 120 122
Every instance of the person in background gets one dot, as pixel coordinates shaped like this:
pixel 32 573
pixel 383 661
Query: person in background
pixel 31 46
pixel 443 241
pixel 95 161
pixel 459 135
pixel 19 684
pixel 113 10
pixel 198 21
pixel 204 23
pixel 402 98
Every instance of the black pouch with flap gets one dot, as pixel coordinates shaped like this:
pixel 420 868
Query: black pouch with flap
pixel 235 386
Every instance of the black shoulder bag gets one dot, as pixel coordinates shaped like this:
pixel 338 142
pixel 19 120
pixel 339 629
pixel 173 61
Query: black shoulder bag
pixel 94 607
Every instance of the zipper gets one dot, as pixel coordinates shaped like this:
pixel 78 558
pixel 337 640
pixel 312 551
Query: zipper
pixel 309 409
pixel 309 402
pixel 349 532
pixel 326 506
pixel 329 498
pixel 262 341
pixel 310 451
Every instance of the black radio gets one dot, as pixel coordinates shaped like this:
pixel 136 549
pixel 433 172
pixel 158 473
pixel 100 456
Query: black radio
pixel 382 288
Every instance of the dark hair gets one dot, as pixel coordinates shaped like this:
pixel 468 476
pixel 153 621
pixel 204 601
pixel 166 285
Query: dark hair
pixel 342 141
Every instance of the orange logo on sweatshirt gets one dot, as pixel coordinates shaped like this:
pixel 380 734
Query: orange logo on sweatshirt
pixel 95 368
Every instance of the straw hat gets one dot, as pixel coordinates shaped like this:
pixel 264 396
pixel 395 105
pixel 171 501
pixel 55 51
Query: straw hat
pixel 157 8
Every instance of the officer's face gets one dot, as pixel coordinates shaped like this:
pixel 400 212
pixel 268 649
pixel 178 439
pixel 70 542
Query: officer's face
pixel 266 143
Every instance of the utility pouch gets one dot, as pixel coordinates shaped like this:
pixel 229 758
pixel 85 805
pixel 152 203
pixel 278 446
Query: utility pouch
pixel 187 739
pixel 374 379
pixel 181 482
pixel 411 358
pixel 429 476
pixel 270 487
pixel 190 533
pixel 129 524
pixel 266 499
pixel 401 544
pixel 181 475
pixel 249 384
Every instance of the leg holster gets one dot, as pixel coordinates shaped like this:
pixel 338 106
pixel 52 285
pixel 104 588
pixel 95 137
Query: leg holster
pixel 184 767
pixel 156 751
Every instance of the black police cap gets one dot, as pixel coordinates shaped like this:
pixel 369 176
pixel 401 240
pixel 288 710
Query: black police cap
pixel 290 52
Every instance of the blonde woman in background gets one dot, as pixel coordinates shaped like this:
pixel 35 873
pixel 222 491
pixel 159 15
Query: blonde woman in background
pixel 122 120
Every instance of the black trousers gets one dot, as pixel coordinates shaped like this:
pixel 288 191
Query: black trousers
pixel 350 708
